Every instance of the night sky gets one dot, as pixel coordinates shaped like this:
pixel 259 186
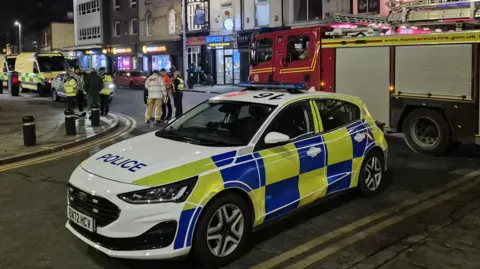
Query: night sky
pixel 31 13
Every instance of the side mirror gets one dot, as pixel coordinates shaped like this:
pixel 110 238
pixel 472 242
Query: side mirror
pixel 275 138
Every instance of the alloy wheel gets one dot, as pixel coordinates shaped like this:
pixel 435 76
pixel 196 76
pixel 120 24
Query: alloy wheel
pixel 373 173
pixel 225 230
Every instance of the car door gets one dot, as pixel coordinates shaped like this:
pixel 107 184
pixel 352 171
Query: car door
pixel 59 85
pixel 293 171
pixel 348 138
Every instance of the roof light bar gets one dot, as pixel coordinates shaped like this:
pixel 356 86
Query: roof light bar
pixel 287 86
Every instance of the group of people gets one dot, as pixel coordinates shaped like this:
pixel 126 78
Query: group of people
pixel 95 86
pixel 160 89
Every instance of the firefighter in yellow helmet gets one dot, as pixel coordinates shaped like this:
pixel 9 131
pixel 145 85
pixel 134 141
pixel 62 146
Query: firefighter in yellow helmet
pixel 71 89
pixel 178 86
pixel 108 87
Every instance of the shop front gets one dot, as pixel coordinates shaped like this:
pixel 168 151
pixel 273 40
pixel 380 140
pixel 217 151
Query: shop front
pixel 125 58
pixel 197 56
pixel 94 58
pixel 226 58
pixel 243 43
pixel 161 56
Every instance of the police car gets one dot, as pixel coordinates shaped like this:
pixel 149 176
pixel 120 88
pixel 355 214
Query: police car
pixel 231 164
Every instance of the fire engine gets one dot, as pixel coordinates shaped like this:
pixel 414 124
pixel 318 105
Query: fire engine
pixel 425 85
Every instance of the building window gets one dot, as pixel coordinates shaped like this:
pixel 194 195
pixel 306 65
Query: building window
pixel 197 14
pixel 227 16
pixel 171 22
pixel 193 56
pixel 116 5
pixel 133 3
pixel 307 10
pixel 116 28
pixel 133 26
pixel 262 12
pixel 88 8
pixel 89 33
pixel 368 6
pixel 149 24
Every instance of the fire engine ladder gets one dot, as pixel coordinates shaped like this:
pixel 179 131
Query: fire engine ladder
pixel 420 12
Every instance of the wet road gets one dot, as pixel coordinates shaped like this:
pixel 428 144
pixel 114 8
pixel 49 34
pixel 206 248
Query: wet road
pixel 33 202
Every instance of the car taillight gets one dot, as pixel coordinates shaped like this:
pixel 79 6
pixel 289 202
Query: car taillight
pixel 380 125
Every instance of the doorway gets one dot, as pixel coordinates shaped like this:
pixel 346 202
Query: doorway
pixel 228 64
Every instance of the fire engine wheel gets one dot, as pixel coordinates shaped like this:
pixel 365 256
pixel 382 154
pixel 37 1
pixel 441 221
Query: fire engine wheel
pixel 427 132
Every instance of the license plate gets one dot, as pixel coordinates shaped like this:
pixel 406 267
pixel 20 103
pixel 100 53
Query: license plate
pixel 81 219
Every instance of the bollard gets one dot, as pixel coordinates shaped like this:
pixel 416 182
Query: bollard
pixel 70 126
pixel 1 86
pixel 95 115
pixel 29 134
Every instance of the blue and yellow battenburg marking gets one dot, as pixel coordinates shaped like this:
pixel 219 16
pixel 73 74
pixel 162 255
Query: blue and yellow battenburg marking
pixel 278 180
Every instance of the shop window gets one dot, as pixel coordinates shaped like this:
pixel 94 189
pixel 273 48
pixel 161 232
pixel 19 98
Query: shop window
pixel 133 26
pixel 262 12
pixel 124 63
pixel 116 28
pixel 227 16
pixel 149 24
pixel 145 64
pixel 307 10
pixel 197 14
pixel 116 5
pixel 368 6
pixel 298 48
pixel 161 61
pixel 133 3
pixel 264 50
pixel 337 113
pixel 171 22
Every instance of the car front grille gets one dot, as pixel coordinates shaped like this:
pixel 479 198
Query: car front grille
pixel 103 211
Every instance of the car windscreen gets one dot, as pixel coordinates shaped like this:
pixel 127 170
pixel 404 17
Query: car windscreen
pixel 52 63
pixel 219 124
pixel 138 74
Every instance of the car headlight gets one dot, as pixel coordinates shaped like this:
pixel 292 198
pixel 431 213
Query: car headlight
pixel 176 192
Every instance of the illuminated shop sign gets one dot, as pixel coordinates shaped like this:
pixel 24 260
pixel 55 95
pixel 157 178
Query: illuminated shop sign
pixel 154 49
pixel 220 42
pixel 122 50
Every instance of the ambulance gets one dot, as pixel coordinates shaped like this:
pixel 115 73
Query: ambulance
pixel 424 85
pixel 7 62
pixel 36 70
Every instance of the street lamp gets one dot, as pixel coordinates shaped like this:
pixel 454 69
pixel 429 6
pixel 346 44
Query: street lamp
pixel 19 36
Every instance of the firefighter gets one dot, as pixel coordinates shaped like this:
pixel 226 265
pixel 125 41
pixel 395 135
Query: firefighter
pixel 178 86
pixel 71 89
pixel 156 93
pixel 106 91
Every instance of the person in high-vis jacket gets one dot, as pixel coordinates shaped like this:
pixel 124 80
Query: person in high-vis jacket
pixel 178 86
pixel 106 91
pixel 157 91
pixel 71 89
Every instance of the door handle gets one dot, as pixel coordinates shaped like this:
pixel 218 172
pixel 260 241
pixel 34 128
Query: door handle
pixel 313 152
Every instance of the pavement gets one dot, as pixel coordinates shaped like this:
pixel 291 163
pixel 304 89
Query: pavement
pixel 427 217
pixel 49 125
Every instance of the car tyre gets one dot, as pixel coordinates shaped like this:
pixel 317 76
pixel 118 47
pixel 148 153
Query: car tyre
pixel 427 132
pixel 226 217
pixel 372 174
pixel 55 97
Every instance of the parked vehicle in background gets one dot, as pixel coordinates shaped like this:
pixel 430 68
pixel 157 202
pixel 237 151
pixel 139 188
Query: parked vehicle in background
pixel 130 79
pixel 7 62
pixel 58 89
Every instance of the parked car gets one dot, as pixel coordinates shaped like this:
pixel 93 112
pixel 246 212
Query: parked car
pixel 130 79
pixel 58 89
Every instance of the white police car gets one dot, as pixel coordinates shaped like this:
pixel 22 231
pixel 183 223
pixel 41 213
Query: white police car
pixel 224 168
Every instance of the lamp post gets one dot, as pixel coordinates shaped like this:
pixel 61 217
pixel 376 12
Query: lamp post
pixel 20 47
pixel 184 39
